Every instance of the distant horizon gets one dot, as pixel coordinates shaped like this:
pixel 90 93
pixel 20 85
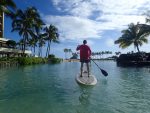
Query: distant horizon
pixel 99 22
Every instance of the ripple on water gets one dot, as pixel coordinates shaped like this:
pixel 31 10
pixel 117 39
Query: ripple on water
pixel 53 89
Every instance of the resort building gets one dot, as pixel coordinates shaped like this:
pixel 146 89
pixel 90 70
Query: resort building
pixel 5 49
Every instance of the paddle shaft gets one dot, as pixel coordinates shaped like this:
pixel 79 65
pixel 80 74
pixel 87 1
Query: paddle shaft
pixel 96 64
pixel 103 71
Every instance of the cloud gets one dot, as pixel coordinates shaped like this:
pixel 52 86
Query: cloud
pixel 113 21
pixel 71 27
pixel 127 7
pixel 90 18
pixel 75 28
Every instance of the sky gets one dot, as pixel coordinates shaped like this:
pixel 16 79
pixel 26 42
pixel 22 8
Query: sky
pixel 100 22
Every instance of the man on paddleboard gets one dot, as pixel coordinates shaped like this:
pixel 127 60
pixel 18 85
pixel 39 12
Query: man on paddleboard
pixel 85 53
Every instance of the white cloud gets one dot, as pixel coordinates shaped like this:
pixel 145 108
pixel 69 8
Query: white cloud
pixel 87 19
pixel 120 21
pixel 72 27
pixel 75 27
pixel 106 6
pixel 110 15
pixel 83 10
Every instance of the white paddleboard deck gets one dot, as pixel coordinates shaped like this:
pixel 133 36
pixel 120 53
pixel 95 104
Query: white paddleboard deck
pixel 85 80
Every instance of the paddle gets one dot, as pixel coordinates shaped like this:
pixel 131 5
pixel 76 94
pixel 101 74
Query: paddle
pixel 103 71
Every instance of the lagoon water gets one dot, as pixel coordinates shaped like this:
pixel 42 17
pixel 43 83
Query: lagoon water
pixel 52 89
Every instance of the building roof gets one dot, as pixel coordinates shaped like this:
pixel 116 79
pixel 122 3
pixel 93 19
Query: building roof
pixel 3 39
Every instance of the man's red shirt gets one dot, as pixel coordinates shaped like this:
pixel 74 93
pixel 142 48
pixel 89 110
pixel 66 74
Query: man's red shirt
pixel 85 52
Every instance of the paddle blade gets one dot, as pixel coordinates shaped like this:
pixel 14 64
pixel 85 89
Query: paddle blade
pixel 104 72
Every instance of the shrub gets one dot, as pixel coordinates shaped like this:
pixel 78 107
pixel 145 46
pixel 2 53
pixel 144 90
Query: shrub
pixel 52 59
pixel 51 56
pixel 31 60
pixel 55 60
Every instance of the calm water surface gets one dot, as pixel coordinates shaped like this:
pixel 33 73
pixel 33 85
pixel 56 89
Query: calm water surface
pixel 53 89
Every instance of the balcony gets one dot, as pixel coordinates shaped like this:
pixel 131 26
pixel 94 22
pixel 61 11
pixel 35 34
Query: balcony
pixel 12 50
pixel 5 49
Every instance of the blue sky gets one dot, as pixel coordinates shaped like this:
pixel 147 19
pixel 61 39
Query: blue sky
pixel 98 21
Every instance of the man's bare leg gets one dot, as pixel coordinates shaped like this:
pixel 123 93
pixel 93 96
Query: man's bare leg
pixel 81 69
pixel 87 65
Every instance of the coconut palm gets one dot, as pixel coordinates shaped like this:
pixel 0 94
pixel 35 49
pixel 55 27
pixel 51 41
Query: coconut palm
pixel 65 51
pixel 20 44
pixel 117 53
pixel 41 43
pixel 26 23
pixel 37 22
pixel 33 43
pixel 6 6
pixel 52 36
pixel 135 34
pixel 70 51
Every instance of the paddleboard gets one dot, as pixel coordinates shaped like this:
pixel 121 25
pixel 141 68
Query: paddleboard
pixel 85 80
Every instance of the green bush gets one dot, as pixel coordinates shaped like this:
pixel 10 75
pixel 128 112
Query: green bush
pixel 8 59
pixel 51 56
pixel 52 59
pixel 31 60
pixel 55 60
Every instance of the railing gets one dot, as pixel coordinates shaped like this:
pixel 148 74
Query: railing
pixel 2 49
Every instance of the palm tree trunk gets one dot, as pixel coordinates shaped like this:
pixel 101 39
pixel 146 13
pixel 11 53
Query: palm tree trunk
pixel 41 51
pixel 138 49
pixel 49 47
pixel 23 53
pixel 34 50
pixel 23 46
pixel 24 41
pixel 31 48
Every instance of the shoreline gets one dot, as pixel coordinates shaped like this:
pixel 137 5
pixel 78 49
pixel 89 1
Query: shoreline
pixel 78 60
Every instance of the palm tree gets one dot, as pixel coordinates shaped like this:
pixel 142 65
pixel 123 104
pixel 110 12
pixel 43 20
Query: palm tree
pixel 37 22
pixel 26 23
pixel 20 44
pixel 66 51
pixel 33 43
pixel 52 36
pixel 70 51
pixel 102 53
pixel 118 53
pixel 6 5
pixel 41 43
pixel 135 34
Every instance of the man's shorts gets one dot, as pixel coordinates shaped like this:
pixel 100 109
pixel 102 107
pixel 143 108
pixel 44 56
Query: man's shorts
pixel 85 60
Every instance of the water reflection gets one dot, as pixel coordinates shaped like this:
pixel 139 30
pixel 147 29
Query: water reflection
pixel 53 89
pixel 84 98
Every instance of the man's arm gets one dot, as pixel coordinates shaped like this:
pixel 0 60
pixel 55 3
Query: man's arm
pixel 90 52
pixel 78 47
